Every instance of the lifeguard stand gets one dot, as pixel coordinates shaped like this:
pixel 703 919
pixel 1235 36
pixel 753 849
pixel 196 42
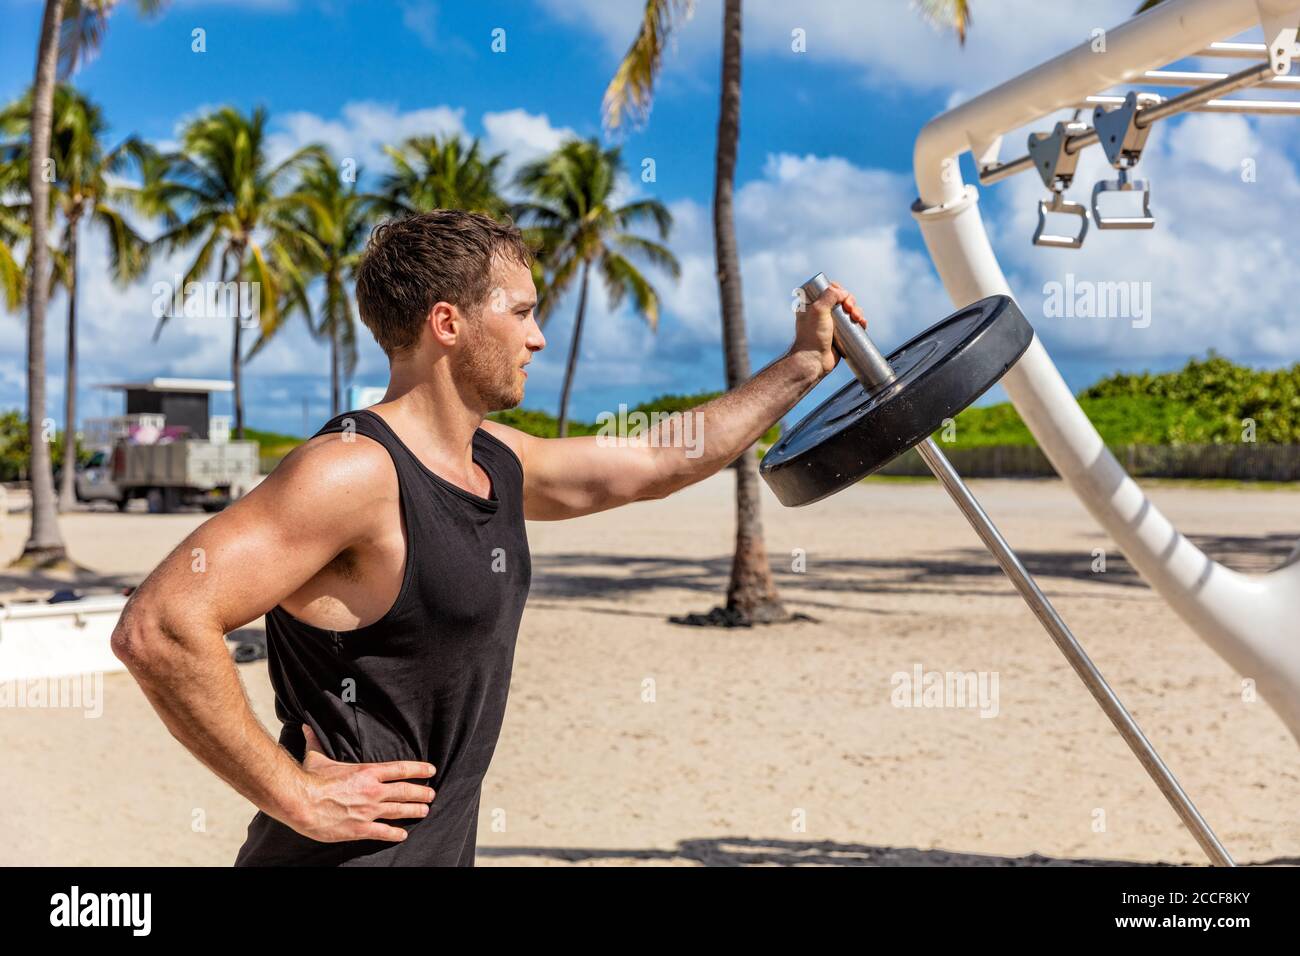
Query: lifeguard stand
pixel 173 406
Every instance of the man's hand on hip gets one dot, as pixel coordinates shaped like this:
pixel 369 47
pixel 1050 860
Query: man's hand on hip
pixel 346 801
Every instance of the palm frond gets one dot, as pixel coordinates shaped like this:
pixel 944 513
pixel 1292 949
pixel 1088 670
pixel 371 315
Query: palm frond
pixel 651 209
pixel 947 14
pixel 631 91
pixel 129 252
pixel 652 252
pixel 84 25
pixel 621 278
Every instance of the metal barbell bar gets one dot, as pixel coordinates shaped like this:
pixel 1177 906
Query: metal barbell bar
pixel 873 371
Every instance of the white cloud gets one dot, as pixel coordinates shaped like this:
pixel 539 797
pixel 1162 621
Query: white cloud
pixel 522 137
pixel 362 130
pixel 1219 141
pixel 421 18
pixel 809 214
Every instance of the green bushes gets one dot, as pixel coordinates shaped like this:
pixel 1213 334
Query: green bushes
pixel 1207 402
pixel 1218 396
pixel 538 423
pixel 16 450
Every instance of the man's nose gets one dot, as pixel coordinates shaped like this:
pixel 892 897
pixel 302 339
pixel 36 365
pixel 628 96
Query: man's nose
pixel 537 341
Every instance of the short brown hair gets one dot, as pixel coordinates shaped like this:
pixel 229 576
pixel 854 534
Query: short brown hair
pixel 413 263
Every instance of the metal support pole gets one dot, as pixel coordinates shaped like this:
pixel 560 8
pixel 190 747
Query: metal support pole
pixel 872 370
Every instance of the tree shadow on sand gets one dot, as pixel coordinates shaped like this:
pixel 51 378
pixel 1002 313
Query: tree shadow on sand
pixel 82 580
pixel 958 571
pixel 744 851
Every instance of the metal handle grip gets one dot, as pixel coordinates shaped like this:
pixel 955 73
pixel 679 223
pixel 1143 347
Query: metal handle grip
pixel 851 339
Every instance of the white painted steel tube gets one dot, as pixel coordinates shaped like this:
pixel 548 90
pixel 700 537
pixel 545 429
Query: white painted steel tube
pixel 1169 32
pixel 1252 621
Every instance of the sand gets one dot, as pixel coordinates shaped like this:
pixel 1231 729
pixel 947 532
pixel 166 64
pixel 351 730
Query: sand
pixel 630 740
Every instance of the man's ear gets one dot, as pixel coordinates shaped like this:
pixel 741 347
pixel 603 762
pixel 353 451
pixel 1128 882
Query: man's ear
pixel 446 324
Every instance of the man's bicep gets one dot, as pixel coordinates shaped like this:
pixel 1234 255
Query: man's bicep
pixel 569 477
pixel 241 563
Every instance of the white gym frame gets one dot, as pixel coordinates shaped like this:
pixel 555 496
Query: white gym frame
pixel 1251 620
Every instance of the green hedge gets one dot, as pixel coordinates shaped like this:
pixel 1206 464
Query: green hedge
pixel 16 450
pixel 1204 403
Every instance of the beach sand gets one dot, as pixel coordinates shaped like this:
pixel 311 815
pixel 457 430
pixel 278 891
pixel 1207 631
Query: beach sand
pixel 631 740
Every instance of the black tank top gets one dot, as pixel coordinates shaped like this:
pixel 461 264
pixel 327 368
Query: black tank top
pixel 428 680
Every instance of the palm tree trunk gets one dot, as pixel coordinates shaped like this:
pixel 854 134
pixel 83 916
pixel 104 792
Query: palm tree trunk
pixel 752 591
pixel 572 365
pixel 68 493
pixel 45 543
pixel 236 347
pixel 332 298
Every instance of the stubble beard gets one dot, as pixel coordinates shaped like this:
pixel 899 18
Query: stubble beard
pixel 490 371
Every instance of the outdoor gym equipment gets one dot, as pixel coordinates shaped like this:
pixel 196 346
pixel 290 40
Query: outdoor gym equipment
pixel 1250 620
pixel 897 403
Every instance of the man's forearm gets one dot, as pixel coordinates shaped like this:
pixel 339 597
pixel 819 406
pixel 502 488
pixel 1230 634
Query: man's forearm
pixel 193 685
pixel 730 424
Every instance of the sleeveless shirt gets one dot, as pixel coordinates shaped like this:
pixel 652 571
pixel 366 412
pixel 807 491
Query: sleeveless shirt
pixel 428 680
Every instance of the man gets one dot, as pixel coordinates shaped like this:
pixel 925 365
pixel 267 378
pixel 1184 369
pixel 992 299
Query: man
pixel 389 556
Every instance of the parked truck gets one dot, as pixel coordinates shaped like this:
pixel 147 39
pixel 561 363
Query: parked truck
pixel 167 450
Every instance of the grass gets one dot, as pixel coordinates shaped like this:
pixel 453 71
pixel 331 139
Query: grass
pixel 1201 484
pixel 1119 419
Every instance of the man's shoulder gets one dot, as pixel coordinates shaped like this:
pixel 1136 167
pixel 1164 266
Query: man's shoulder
pixel 344 462
pixel 512 438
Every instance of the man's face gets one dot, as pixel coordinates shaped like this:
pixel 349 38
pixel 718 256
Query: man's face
pixel 503 337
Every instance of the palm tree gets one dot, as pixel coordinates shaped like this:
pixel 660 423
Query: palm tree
pixel 62 41
pixel 324 238
pixel 752 591
pixel 429 173
pixel 220 191
pixel 85 190
pixel 44 543
pixel 573 188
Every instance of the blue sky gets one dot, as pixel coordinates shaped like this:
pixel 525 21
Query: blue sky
pixel 824 178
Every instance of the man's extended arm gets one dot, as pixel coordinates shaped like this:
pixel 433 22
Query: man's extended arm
pixel 567 477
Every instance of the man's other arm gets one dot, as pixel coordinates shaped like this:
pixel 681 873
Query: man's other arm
pixel 326 496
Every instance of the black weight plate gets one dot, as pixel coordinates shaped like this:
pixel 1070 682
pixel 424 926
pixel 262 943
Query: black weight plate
pixel 856 432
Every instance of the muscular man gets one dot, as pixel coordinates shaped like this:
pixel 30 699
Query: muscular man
pixel 389 556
